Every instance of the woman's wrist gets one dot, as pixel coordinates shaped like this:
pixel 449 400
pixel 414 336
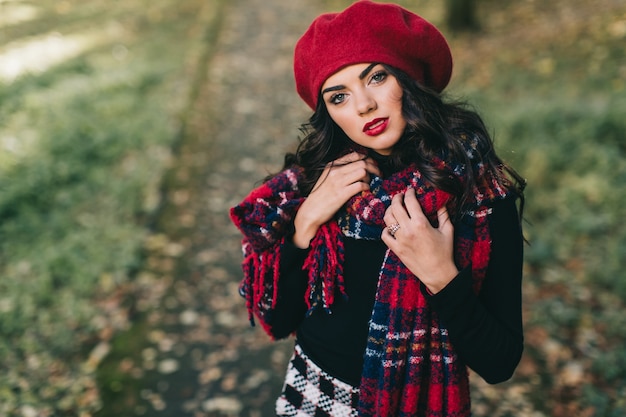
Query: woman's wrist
pixel 300 241
pixel 304 233
pixel 447 275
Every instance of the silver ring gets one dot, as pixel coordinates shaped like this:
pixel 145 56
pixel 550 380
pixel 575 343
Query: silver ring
pixel 393 229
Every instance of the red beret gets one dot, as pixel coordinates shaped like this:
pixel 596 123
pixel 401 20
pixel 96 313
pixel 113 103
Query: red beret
pixel 370 32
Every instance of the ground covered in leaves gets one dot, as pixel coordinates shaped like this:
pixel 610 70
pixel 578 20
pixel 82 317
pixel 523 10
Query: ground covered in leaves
pixel 172 337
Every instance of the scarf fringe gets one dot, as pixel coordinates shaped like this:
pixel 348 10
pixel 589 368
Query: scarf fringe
pixel 260 284
pixel 325 268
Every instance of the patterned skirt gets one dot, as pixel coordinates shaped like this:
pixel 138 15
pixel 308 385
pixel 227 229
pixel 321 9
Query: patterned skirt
pixel 310 392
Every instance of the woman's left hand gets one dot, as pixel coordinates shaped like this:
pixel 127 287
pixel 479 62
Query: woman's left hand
pixel 427 251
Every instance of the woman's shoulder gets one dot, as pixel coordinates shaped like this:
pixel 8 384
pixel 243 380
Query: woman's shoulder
pixel 287 179
pixel 506 204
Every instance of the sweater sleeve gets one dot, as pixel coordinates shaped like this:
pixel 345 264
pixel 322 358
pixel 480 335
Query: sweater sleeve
pixel 486 329
pixel 290 307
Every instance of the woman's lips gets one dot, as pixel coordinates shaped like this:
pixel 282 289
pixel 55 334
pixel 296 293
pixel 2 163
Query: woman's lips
pixel 376 126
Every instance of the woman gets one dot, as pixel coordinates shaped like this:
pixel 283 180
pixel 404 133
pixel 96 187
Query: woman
pixel 390 243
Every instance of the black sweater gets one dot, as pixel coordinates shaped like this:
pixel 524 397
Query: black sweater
pixel 486 330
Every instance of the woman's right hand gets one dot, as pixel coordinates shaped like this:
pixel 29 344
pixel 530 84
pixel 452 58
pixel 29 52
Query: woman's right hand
pixel 340 180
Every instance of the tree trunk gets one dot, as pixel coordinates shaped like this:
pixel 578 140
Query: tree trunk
pixel 461 15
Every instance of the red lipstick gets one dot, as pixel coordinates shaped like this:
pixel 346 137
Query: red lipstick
pixel 376 126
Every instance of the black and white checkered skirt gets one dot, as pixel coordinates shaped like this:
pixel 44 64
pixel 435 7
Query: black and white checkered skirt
pixel 310 392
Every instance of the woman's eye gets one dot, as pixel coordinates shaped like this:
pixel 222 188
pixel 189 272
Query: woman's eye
pixel 379 77
pixel 337 98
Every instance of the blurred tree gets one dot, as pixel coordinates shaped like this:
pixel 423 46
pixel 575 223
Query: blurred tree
pixel 461 15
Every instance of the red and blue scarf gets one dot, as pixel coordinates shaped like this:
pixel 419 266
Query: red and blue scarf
pixel 410 367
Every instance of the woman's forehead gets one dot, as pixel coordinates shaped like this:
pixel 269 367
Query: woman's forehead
pixel 353 71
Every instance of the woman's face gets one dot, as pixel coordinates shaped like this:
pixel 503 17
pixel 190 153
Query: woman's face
pixel 366 103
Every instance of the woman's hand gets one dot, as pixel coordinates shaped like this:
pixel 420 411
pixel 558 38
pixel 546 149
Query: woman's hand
pixel 340 180
pixel 425 250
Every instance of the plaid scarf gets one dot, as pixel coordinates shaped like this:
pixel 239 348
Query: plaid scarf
pixel 410 368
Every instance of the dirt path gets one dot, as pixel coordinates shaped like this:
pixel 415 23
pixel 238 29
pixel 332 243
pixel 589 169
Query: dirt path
pixel 195 354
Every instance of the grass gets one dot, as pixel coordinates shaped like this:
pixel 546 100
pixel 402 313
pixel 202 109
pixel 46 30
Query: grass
pixel 552 90
pixel 85 144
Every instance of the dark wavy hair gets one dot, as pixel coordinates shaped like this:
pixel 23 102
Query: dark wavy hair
pixel 435 128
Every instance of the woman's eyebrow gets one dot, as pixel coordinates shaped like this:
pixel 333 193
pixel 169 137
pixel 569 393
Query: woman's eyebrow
pixel 334 88
pixel 362 75
pixel 367 70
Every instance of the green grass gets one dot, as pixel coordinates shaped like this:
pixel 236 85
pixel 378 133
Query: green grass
pixel 573 155
pixel 566 136
pixel 85 145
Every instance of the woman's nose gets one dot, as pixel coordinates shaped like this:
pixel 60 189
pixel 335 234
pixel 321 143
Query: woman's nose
pixel 365 103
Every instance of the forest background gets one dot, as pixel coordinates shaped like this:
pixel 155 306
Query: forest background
pixel 107 133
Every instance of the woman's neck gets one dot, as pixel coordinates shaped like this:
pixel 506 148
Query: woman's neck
pixel 384 162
